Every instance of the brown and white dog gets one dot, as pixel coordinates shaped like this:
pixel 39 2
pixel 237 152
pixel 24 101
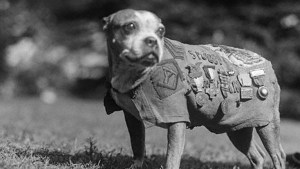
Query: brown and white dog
pixel 136 48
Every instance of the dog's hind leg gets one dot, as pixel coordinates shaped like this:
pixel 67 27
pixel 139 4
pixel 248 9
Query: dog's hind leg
pixel 243 140
pixel 136 130
pixel 270 136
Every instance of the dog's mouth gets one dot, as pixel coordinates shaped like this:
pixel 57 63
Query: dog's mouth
pixel 147 60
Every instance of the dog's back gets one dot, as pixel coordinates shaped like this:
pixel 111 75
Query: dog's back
pixel 226 83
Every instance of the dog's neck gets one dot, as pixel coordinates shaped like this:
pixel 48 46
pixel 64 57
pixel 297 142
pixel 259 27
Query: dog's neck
pixel 124 77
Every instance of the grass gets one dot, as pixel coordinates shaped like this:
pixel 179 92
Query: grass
pixel 73 133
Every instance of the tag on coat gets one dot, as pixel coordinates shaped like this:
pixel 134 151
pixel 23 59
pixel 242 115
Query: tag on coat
pixel 244 79
pixel 246 93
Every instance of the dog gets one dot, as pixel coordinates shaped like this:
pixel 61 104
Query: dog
pixel 163 82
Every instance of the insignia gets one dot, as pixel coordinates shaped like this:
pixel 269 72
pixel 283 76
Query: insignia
pixel 246 93
pixel 258 77
pixel 165 78
pixel 195 74
pixel 177 51
pixel 262 92
pixel 194 70
pixel 223 76
pixel 170 78
pixel 209 72
pixel 235 86
pixel 244 79
pixel 239 57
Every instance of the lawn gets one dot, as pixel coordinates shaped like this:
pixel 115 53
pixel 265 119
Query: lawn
pixel 75 133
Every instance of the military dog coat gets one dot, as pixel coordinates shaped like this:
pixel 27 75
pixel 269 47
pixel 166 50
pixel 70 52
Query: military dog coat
pixel 220 87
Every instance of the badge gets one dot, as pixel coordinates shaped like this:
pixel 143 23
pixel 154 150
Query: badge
pixel 209 72
pixel 199 83
pixel 246 93
pixel 224 80
pixel 235 86
pixel 262 92
pixel 244 79
pixel 258 77
pixel 196 77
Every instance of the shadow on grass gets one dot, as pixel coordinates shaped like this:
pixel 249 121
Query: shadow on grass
pixel 103 159
pixel 112 160
pixel 119 161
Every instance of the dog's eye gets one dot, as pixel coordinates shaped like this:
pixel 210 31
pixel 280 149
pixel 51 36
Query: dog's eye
pixel 160 32
pixel 129 27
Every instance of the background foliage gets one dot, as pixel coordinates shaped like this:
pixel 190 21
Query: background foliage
pixel 59 45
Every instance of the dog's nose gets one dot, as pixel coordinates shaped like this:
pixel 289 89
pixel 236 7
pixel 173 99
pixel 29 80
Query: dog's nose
pixel 150 41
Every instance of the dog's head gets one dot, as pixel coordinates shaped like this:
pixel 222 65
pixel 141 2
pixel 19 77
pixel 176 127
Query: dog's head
pixel 135 37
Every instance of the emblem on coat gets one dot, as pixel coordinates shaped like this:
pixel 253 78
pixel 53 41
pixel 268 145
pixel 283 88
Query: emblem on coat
pixel 167 78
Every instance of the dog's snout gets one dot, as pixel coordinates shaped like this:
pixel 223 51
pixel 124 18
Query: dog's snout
pixel 150 41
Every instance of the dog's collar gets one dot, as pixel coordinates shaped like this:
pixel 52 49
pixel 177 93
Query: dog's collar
pixel 132 93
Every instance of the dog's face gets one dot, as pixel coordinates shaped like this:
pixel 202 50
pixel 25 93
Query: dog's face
pixel 135 36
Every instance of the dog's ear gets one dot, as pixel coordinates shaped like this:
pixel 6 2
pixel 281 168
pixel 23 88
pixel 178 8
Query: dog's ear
pixel 106 21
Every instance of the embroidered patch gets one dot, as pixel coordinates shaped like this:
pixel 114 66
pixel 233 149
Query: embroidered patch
pixel 177 51
pixel 239 57
pixel 167 78
pixel 194 70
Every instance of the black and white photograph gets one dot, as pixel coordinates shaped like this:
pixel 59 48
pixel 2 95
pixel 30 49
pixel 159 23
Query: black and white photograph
pixel 157 84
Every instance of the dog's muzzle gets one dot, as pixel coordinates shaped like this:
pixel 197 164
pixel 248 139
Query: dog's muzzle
pixel 151 47
pixel 150 53
pixel 149 59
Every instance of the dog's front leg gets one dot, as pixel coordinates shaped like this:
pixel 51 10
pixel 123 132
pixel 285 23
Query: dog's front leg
pixel 136 130
pixel 176 141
